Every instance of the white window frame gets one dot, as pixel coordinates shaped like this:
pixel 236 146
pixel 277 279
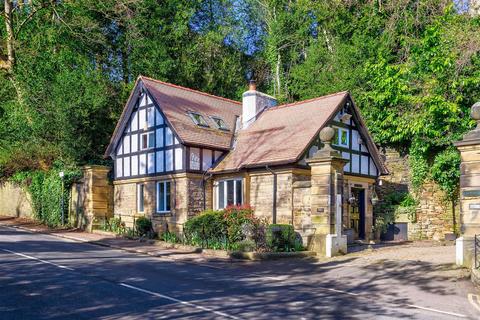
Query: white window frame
pixel 157 206
pixel 339 137
pixel 150 135
pixel 201 121
pixel 217 192
pixel 140 186
pixel 223 127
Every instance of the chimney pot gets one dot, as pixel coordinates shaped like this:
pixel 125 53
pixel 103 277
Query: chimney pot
pixel 252 85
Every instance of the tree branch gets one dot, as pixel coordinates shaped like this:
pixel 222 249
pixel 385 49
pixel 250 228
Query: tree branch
pixel 30 16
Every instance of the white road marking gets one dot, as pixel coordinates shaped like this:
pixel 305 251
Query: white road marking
pixel 340 291
pixel 437 311
pixel 156 294
pixel 472 302
pixel 37 259
pixel 470 296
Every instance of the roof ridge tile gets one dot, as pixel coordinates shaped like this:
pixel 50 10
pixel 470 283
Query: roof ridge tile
pixel 286 105
pixel 190 89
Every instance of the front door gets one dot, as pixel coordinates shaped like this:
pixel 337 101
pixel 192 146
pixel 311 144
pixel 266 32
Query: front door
pixel 357 213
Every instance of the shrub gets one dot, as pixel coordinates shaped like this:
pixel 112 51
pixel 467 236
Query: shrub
pixel 209 226
pixel 226 229
pixel 240 221
pixel 143 226
pixel 170 237
pixel 115 225
pixel 280 237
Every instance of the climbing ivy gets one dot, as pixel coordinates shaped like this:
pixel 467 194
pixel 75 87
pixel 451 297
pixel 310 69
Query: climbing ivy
pixel 45 189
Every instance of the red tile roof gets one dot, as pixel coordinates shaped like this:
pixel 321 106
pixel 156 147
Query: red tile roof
pixel 281 134
pixel 176 101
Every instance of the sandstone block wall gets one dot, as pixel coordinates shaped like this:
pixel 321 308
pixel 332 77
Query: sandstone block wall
pixel 14 201
pixel 434 214
pixel 187 201
pixel 261 196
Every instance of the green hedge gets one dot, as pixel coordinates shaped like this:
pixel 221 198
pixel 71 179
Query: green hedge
pixel 144 226
pixel 281 237
pixel 207 229
pixel 45 189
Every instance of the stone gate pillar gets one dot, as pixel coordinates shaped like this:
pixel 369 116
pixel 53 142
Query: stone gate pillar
pixel 92 198
pixel 469 148
pixel 326 198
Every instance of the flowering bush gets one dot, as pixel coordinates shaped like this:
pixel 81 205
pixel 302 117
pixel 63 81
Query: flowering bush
pixel 227 229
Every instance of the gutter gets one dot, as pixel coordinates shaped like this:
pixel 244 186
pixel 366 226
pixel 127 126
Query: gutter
pixel 204 183
pixel 274 209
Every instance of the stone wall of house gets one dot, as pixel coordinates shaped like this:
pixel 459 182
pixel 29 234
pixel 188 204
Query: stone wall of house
pixel 14 201
pixel 261 195
pixel 187 191
pixel 302 212
pixel 434 215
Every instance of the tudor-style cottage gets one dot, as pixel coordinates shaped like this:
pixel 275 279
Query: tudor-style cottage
pixel 178 151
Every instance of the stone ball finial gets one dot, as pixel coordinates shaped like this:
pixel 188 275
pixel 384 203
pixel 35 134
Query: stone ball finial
pixel 475 113
pixel 327 134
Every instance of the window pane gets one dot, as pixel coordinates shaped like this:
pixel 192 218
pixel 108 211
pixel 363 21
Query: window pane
pixel 151 139
pixel 344 138
pixel 168 192
pixel 161 196
pixel 144 141
pixel 238 192
pixel 230 191
pixel 221 193
pixel 140 198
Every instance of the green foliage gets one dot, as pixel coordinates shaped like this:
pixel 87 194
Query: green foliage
pixel 445 172
pixel 237 218
pixel 207 227
pixel 227 229
pixel 281 237
pixel 170 237
pixel 393 204
pixel 412 66
pixel 115 225
pixel 143 226
pixel 45 189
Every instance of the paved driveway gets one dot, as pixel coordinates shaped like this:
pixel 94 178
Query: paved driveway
pixel 46 277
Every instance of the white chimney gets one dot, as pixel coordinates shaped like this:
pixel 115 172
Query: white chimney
pixel 253 103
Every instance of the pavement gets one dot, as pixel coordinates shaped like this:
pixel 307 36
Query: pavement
pixel 48 276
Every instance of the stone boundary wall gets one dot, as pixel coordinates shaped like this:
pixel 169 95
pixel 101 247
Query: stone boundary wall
pixel 14 201
pixel 434 214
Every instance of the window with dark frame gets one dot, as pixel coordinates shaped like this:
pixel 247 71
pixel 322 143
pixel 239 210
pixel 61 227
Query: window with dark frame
pixel 163 196
pixel 220 123
pixel 198 119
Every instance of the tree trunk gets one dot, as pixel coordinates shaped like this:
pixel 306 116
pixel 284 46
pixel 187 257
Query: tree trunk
pixel 277 75
pixel 7 63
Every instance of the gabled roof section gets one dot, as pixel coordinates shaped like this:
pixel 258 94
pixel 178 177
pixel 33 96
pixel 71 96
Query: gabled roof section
pixel 283 133
pixel 175 102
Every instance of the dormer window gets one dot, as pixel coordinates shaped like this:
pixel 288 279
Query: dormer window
pixel 220 123
pixel 198 119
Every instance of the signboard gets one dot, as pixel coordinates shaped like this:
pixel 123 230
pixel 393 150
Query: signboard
pixel 474 206
pixel 471 193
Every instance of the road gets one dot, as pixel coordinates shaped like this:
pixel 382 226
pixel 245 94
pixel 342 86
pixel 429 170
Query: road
pixel 46 277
